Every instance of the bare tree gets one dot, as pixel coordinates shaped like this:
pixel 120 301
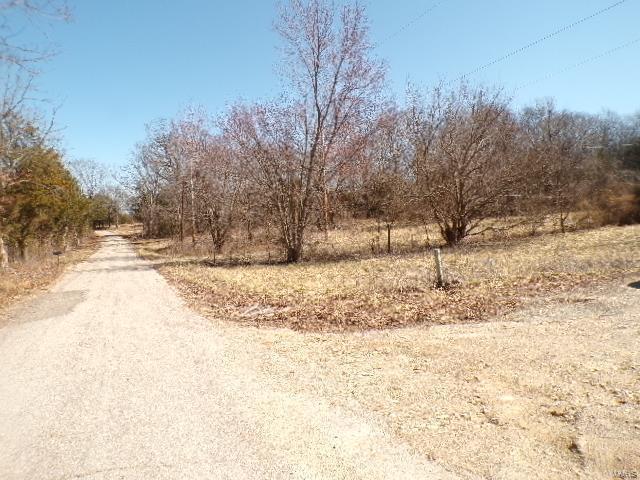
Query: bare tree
pixel 13 15
pixel 162 174
pixel 563 148
pixel 188 143
pixel 328 63
pixel 333 87
pixel 91 175
pixel 263 137
pixel 465 166
pixel 385 172
pixel 185 170
pixel 146 178
pixel 221 189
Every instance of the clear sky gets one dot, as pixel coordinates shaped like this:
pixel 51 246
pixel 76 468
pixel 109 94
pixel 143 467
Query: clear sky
pixel 123 63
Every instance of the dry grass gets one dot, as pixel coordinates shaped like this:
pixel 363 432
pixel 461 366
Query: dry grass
pixel 548 392
pixel 24 278
pixel 355 292
pixel 354 239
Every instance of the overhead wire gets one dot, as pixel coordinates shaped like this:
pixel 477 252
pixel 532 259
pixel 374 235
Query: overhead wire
pixel 581 63
pixel 529 45
pixel 412 22
pixel 540 40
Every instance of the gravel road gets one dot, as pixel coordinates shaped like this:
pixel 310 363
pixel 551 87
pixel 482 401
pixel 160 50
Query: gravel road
pixel 110 376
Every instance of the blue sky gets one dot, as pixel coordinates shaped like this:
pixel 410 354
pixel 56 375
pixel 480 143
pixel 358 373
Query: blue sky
pixel 123 63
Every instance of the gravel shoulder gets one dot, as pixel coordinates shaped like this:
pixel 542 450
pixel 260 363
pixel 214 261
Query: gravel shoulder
pixel 109 375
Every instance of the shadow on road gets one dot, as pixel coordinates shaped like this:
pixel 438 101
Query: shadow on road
pixel 123 268
pixel 45 306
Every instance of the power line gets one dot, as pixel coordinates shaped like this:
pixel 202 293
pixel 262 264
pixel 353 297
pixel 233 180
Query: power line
pixel 581 63
pixel 412 22
pixel 540 40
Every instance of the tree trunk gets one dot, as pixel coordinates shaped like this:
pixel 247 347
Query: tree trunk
pixel 182 213
pixel 193 203
pixel 249 231
pixel 151 225
pixel 293 254
pixel 4 255
pixel 294 249
pixel 65 239
pixel 217 239
pixel 22 249
pixel 325 208
pixel 563 218
pixel 388 238
pixel 453 234
pixel 325 193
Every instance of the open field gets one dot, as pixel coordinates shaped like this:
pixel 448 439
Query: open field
pixel 347 292
pixel 24 278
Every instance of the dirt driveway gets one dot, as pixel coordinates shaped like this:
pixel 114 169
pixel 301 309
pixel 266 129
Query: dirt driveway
pixel 109 375
pixel 550 392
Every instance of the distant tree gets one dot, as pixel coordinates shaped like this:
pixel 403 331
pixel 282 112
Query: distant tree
pixel 185 171
pixel 91 175
pixel 617 138
pixel 631 155
pixel 222 185
pixel 190 140
pixel 564 150
pixel 164 171
pixel 146 177
pixel 385 172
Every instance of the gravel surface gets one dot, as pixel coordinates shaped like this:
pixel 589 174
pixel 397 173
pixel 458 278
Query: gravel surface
pixel 110 376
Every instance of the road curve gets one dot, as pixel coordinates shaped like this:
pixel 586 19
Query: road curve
pixel 110 376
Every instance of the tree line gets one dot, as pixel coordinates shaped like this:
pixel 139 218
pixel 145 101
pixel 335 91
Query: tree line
pixel 46 202
pixel 333 145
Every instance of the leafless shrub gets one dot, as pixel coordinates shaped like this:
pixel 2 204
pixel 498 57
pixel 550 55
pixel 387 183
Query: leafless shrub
pixel 466 166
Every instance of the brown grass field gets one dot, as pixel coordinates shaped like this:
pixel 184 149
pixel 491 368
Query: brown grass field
pixel 347 286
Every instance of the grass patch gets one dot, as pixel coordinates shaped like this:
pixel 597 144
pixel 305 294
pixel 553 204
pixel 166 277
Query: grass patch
pixel 350 293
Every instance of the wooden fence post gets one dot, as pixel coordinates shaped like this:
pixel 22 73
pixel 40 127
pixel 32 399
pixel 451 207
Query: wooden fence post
pixel 440 280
